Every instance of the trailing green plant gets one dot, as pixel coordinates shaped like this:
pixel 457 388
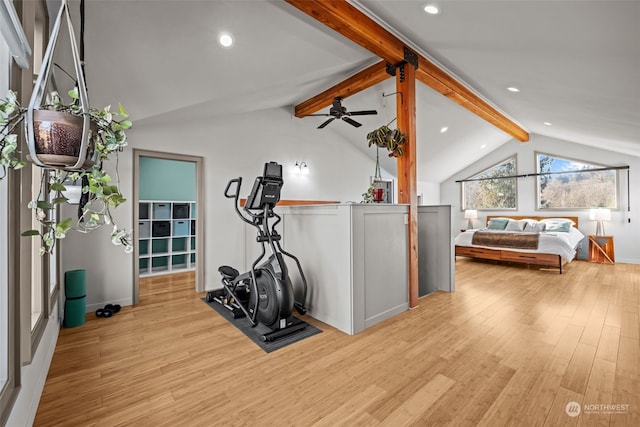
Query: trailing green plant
pixel 100 191
pixel 10 117
pixel 385 137
pixel 367 196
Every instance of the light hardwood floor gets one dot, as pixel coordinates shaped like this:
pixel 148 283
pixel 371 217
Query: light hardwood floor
pixel 512 346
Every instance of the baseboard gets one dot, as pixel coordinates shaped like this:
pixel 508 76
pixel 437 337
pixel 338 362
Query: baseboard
pixel 627 261
pixel 386 315
pixel 91 308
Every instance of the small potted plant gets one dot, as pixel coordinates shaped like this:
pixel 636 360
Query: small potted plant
pixel 100 192
pixel 368 196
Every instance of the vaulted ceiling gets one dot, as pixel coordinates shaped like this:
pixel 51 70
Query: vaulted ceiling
pixel 575 63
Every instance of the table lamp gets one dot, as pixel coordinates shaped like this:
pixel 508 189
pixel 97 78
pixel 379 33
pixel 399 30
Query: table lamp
pixel 600 215
pixel 470 215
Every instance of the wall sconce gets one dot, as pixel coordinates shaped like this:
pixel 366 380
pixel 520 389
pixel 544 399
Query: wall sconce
pixel 600 215
pixel 470 215
pixel 303 168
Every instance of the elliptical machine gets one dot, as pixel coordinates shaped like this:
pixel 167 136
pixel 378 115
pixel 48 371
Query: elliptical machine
pixel 265 293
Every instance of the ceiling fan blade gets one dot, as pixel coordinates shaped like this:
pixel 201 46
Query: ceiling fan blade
pixel 363 113
pixel 326 123
pixel 319 114
pixel 351 122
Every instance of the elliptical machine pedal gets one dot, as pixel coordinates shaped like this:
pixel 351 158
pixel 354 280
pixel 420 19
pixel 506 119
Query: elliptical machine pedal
pixel 221 297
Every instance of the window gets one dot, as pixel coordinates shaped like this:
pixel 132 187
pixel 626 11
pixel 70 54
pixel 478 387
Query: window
pixel 37 306
pixel 4 290
pixel 570 185
pixel 487 190
pixel 8 342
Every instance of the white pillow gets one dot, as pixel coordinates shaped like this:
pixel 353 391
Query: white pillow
pixel 515 225
pixel 534 226
pixel 559 220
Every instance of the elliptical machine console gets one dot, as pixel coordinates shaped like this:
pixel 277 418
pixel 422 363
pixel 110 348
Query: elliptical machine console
pixel 265 293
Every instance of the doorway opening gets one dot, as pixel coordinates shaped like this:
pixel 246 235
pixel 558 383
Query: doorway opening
pixel 168 217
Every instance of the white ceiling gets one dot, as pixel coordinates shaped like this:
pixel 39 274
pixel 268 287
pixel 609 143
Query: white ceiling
pixel 575 62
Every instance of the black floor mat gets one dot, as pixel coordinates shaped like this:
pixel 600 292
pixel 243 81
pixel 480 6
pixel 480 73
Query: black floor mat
pixel 254 334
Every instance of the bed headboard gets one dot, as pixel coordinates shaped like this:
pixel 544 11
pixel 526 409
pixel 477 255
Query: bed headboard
pixel 537 218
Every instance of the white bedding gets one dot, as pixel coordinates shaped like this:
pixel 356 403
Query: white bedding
pixel 558 243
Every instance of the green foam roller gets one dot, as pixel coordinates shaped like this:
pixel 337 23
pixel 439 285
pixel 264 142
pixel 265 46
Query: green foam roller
pixel 75 304
pixel 75 283
pixel 74 312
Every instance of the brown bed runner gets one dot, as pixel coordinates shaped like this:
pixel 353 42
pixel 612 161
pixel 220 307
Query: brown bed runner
pixel 506 240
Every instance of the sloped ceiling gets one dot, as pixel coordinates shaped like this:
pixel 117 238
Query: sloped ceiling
pixel 575 62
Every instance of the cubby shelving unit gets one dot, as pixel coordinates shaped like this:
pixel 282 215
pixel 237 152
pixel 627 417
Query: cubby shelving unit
pixel 166 237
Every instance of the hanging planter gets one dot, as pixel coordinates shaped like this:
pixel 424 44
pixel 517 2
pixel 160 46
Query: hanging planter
pixel 59 135
pixel 375 193
pixel 392 140
pixel 71 141
pixel 58 139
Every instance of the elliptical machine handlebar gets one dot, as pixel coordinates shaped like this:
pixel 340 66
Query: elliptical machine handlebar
pixel 236 197
pixel 238 181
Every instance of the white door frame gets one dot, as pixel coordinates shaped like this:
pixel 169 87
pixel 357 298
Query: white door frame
pixel 200 251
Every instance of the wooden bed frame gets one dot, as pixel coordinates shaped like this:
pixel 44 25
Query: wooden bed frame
pixel 540 259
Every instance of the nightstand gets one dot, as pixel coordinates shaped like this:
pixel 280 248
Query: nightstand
pixel 601 249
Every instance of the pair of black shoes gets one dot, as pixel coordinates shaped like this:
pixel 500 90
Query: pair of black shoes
pixel 108 310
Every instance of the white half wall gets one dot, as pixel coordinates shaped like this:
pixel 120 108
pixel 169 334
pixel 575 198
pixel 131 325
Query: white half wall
pixel 231 146
pixel 626 234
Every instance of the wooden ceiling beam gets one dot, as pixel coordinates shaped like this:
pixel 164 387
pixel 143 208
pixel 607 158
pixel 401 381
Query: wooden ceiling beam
pixel 364 79
pixel 353 24
pixel 358 27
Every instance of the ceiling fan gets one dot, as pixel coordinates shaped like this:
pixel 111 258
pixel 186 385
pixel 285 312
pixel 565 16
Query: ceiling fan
pixel 337 111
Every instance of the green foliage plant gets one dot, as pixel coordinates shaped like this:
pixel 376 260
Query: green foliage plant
pixel 101 192
pixel 385 137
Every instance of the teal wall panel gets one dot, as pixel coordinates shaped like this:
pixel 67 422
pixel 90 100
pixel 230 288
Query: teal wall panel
pixel 162 179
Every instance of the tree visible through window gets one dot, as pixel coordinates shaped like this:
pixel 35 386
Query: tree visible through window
pixel 487 190
pixel 570 185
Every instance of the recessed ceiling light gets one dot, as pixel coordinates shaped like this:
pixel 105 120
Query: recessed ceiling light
pixel 547 123
pixel 225 39
pixel 431 9
pixel 483 146
pixel 513 89
pixel 444 129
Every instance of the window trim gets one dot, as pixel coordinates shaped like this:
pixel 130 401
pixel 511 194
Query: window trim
pixel 536 184
pixel 463 204
pixel 21 347
pixel 9 390
pixel 38 267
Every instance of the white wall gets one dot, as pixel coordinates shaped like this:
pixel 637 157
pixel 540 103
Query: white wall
pixel 430 192
pixel 231 146
pixel 626 235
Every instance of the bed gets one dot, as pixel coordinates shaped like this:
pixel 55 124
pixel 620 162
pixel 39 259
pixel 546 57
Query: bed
pixel 553 247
